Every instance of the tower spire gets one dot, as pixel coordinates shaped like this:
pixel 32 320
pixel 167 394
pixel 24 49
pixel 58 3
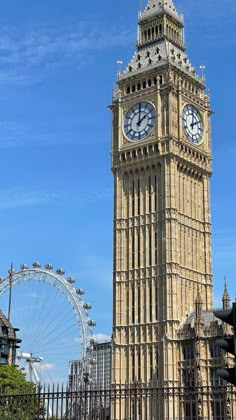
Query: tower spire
pixel 199 324
pixel 198 304
pixel 157 6
pixel 226 297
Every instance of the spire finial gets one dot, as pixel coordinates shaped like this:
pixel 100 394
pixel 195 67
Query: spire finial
pixel 119 64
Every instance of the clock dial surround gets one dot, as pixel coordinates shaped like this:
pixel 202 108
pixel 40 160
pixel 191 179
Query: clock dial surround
pixel 193 124
pixel 139 121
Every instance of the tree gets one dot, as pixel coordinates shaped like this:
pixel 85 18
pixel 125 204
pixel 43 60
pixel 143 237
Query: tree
pixel 14 379
pixel 18 399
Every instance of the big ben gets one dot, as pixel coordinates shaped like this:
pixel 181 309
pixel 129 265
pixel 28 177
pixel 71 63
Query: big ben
pixel 161 162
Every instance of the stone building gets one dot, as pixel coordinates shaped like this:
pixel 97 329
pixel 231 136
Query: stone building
pixel 8 341
pixel 101 370
pixel 163 325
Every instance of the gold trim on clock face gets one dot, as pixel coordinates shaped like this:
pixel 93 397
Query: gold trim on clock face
pixel 139 121
pixel 192 124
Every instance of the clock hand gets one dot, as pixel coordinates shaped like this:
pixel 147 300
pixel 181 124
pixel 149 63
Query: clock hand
pixel 194 123
pixel 139 122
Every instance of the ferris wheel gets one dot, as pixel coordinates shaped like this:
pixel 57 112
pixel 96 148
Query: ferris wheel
pixel 53 321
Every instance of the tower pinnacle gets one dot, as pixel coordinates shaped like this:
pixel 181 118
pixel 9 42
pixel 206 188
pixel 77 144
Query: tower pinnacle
pixel 226 297
pixel 160 6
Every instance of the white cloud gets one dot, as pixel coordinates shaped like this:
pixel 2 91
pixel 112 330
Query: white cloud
pixel 35 52
pixel 100 337
pixel 47 366
pixel 17 198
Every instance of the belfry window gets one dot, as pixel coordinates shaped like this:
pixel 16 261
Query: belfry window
pixel 139 305
pixel 138 249
pixel 157 360
pixel 150 303
pixel 151 363
pixel 155 193
pixel 139 365
pixel 133 365
pixel 150 194
pixel 150 248
pixel 155 246
pixel 138 197
pixel 133 249
pixel 156 302
pixel 133 304
pixel 133 199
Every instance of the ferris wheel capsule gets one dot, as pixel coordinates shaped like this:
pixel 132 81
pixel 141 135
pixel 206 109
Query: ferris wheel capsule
pixel 1 279
pixel 70 280
pixel 24 267
pixel 80 291
pixel 36 265
pixel 92 323
pixel 48 267
pixel 87 306
pixel 60 271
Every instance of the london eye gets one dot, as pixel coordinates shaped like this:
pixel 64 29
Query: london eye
pixel 53 321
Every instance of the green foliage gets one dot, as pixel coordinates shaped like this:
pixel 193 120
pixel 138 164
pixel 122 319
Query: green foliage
pixel 18 399
pixel 14 380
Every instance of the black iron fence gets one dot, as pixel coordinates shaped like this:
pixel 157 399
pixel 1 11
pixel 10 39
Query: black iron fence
pixel 123 403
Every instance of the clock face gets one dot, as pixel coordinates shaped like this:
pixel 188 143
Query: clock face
pixel 139 121
pixel 193 124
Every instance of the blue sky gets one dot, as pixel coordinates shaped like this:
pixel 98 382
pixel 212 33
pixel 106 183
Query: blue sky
pixel 57 67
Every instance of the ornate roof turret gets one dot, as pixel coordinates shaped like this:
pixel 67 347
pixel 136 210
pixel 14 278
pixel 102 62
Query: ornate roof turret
pixel 226 297
pixel 155 7
pixel 160 42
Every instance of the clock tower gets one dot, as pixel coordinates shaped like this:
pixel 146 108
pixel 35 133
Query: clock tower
pixel 161 162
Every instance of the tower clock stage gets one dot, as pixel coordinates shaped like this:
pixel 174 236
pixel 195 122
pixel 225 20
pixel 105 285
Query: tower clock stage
pixel 161 163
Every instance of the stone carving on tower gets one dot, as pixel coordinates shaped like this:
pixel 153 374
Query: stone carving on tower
pixel 161 162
